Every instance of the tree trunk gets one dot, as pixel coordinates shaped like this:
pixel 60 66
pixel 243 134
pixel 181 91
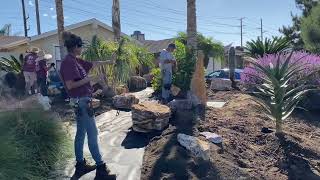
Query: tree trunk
pixel 232 65
pixel 206 60
pixel 116 20
pixel 191 24
pixel 60 24
pixel 278 126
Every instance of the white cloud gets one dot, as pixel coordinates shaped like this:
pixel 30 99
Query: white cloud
pixel 54 16
pixel 45 15
pixel 31 3
pixel 51 9
pixel 66 17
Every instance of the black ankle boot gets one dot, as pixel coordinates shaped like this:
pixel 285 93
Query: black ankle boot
pixel 103 173
pixel 82 168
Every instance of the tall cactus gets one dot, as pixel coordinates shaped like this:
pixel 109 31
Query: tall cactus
pixel 232 66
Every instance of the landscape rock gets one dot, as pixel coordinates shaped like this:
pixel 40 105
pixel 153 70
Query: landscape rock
pixel 175 90
pixel 149 116
pixel 137 83
pixel 193 98
pixel 197 147
pixel 96 103
pixel 220 84
pixel 10 103
pixel 124 101
pixel 212 137
pixel 122 89
pixel 148 78
pixel 44 101
pixel 4 89
pixel 180 104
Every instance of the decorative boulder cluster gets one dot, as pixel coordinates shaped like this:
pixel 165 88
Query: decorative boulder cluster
pixel 149 116
pixel 124 101
pixel 137 83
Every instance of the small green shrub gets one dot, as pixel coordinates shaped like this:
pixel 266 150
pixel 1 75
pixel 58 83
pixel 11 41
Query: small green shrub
pixel 185 66
pixel 32 143
pixel 156 81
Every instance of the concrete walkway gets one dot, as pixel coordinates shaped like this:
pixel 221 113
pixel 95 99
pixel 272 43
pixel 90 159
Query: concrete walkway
pixel 121 148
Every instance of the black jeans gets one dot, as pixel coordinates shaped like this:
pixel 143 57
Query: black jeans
pixel 42 83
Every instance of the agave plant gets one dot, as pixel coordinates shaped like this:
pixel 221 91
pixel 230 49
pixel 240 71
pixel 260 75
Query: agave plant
pixel 276 94
pixel 11 64
pixel 259 48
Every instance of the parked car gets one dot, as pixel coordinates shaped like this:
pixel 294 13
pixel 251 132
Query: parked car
pixel 222 74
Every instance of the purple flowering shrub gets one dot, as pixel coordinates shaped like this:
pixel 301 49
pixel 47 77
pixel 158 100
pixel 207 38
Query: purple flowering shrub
pixel 309 62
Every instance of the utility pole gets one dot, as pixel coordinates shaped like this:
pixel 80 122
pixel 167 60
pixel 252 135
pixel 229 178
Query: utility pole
pixel 37 16
pixel 241 29
pixel 24 19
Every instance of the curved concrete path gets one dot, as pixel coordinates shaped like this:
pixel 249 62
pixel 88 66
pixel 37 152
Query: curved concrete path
pixel 121 148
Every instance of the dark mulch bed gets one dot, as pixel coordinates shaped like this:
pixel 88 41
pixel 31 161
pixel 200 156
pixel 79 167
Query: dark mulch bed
pixel 246 152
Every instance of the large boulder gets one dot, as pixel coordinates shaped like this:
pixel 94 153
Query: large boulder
pixel 137 83
pixel 149 116
pixel 183 111
pixel 124 101
pixel 220 84
pixel 122 89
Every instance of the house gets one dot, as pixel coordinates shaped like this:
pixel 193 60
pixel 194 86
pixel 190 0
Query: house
pixel 9 44
pixel 48 41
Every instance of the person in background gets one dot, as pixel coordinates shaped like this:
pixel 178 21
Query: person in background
pixel 167 62
pixel 29 69
pixel 74 72
pixel 42 70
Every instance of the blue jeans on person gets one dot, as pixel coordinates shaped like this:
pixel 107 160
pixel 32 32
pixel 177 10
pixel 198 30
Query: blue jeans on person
pixel 42 83
pixel 166 84
pixel 86 124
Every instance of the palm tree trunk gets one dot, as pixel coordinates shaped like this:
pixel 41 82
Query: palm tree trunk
pixel 116 20
pixel 232 58
pixel 279 126
pixel 191 24
pixel 60 24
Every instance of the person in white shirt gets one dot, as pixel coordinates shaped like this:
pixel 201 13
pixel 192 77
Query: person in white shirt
pixel 167 62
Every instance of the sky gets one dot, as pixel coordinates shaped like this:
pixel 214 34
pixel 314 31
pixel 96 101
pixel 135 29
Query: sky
pixel 161 19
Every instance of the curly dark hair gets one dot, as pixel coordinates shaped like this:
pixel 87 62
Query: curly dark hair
pixel 71 41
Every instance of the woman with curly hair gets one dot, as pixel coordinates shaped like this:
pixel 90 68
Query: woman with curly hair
pixel 74 72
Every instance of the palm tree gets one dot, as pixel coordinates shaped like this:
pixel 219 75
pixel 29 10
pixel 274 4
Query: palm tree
pixel 116 20
pixel 60 24
pixel 191 24
pixel 258 48
pixel 4 31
